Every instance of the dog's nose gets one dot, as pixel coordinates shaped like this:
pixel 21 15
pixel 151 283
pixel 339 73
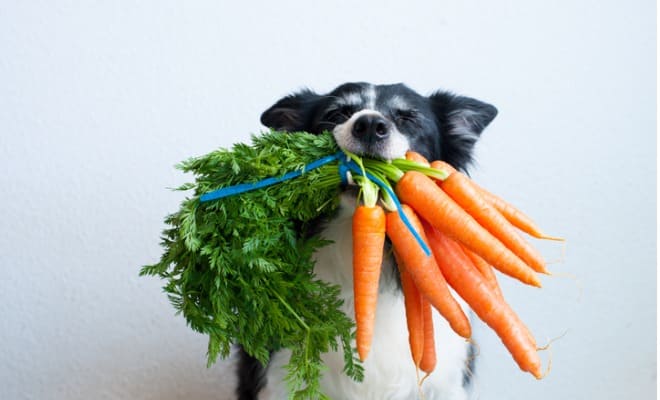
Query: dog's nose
pixel 371 127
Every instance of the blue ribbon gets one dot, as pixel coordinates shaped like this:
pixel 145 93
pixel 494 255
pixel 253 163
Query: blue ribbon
pixel 246 187
pixel 345 165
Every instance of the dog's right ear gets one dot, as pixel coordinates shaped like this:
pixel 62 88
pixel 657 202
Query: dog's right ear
pixel 292 113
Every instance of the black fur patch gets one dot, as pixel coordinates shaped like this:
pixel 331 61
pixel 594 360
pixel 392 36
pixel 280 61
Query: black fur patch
pixel 251 376
pixel 470 365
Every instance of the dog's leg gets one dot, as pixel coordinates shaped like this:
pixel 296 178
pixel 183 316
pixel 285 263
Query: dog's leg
pixel 251 376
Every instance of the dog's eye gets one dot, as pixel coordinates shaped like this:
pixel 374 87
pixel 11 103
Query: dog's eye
pixel 405 115
pixel 339 115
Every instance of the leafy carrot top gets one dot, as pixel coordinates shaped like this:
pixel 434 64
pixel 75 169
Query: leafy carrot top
pixel 240 269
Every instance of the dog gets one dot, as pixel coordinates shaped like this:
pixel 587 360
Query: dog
pixel 382 121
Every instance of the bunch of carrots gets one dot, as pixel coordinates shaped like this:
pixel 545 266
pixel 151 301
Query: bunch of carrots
pixel 468 230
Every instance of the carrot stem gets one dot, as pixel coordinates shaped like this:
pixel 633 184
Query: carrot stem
pixel 383 184
pixel 369 191
pixel 388 169
pixel 409 165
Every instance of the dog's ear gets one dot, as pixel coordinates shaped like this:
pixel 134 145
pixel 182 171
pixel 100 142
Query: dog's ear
pixel 292 113
pixel 460 121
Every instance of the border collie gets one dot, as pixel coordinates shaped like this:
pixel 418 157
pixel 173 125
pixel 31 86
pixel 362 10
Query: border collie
pixel 382 121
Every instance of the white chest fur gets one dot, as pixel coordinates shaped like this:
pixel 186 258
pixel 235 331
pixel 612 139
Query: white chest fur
pixel 389 371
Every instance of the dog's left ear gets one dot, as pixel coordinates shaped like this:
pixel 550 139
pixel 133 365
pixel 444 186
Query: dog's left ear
pixel 292 113
pixel 461 121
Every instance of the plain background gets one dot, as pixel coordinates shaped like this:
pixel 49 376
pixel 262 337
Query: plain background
pixel 98 101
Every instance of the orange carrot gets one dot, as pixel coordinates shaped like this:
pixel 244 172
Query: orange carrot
pixel 418 158
pixel 368 241
pixel 485 270
pixel 460 188
pixel 414 312
pixel 429 358
pixel 488 274
pixel 443 166
pixel 435 206
pixel 512 214
pixel 515 216
pixel 470 285
pixel 424 270
pixel 419 317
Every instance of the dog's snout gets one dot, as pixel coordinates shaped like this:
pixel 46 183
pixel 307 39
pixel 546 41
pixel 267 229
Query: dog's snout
pixel 371 127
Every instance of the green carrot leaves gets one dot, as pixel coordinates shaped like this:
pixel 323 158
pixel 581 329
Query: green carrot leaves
pixel 240 269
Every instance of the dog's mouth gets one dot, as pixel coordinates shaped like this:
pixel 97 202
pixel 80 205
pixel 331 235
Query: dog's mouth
pixel 369 133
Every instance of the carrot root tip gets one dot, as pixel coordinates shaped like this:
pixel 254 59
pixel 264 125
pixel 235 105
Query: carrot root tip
pixel 575 280
pixel 420 382
pixel 426 375
pixel 548 347
pixel 553 238
pixel 548 368
pixel 551 341
pixel 562 255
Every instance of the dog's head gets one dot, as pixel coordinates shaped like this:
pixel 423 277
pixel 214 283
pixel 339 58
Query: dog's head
pixel 385 121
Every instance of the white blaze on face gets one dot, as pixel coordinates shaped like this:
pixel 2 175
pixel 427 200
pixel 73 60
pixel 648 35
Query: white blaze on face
pixel 370 96
pixel 393 146
pixel 352 99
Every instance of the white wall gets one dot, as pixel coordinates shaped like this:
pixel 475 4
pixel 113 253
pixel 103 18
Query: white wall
pixel 98 100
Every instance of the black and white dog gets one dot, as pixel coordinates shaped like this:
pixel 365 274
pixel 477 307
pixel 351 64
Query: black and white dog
pixel 382 121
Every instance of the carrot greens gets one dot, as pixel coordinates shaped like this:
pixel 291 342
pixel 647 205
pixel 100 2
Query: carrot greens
pixel 240 269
